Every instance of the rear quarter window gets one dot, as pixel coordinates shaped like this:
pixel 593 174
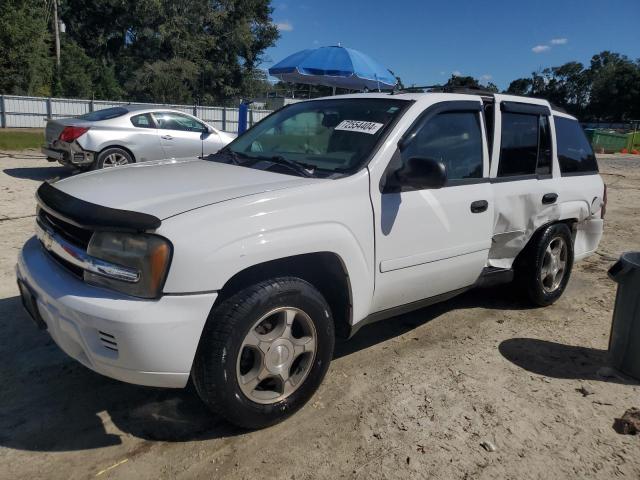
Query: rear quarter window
pixel 104 114
pixel 142 121
pixel 575 154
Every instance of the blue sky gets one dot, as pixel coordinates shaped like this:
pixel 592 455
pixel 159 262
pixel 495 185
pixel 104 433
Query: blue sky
pixel 426 41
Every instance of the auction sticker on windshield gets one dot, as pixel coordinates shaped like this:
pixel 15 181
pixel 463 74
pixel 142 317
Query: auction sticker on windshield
pixel 359 126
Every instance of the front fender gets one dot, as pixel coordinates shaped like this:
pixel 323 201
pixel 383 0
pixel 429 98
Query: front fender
pixel 213 244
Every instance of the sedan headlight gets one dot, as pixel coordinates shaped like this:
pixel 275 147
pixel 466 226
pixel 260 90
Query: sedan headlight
pixel 145 254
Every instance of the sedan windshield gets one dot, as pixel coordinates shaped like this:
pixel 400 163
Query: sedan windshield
pixel 322 137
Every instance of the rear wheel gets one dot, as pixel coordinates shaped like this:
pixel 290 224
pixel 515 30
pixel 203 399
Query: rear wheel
pixel 545 268
pixel 264 352
pixel 113 157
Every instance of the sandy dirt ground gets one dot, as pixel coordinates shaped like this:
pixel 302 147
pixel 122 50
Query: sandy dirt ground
pixel 412 397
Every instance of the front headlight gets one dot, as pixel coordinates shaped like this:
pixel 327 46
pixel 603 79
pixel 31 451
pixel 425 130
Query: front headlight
pixel 148 255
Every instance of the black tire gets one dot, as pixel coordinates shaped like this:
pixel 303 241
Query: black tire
pixel 529 270
pixel 214 370
pixel 106 157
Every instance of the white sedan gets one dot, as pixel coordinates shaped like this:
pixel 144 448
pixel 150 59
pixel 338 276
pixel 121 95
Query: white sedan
pixel 129 134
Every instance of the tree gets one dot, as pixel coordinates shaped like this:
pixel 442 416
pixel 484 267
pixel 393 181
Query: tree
pixel 218 42
pixel 608 90
pixel 520 86
pixel 615 87
pixel 25 58
pixel 170 81
pixel 462 81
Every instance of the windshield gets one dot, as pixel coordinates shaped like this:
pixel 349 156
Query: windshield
pixel 104 114
pixel 323 136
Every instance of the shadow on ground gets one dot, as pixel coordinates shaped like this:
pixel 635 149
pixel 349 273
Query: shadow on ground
pixel 556 360
pixel 51 403
pixel 40 174
pixel 501 297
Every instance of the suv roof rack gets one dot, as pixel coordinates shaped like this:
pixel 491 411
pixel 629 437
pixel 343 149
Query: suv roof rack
pixel 447 89
pixel 464 89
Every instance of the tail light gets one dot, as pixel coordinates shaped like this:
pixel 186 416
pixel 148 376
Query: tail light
pixel 69 134
pixel 603 210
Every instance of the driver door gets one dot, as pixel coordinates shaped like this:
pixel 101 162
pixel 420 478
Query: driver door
pixel 180 135
pixel 430 242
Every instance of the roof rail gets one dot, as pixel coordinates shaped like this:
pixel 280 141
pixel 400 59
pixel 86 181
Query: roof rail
pixel 471 90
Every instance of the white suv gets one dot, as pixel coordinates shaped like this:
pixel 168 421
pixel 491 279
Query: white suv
pixel 237 271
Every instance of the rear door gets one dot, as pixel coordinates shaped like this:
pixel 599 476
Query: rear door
pixel 525 191
pixel 435 241
pixel 180 135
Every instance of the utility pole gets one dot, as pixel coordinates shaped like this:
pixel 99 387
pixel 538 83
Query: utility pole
pixel 56 29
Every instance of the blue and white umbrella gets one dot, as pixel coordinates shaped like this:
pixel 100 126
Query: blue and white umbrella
pixel 335 67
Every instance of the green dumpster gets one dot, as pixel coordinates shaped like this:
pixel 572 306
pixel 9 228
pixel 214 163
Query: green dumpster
pixel 608 142
pixel 624 342
pixel 633 141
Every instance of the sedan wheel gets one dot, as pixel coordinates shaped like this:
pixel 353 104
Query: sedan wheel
pixel 113 157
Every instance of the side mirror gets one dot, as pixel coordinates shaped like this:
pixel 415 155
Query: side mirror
pixel 210 129
pixel 418 173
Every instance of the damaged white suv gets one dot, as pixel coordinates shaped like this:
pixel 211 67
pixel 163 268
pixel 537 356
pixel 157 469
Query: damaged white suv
pixel 238 270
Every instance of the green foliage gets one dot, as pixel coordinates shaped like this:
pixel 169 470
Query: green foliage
pixel 175 51
pixel 152 50
pixel 609 89
pixel 25 59
pixel 462 81
pixel 171 81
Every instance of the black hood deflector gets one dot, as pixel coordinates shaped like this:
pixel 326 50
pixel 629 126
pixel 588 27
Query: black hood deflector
pixel 91 216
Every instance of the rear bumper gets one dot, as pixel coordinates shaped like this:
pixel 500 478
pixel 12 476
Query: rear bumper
pixel 57 155
pixel 68 153
pixel 587 238
pixel 146 342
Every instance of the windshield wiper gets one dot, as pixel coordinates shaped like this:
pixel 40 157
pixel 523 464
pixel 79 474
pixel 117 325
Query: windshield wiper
pixel 226 152
pixel 303 169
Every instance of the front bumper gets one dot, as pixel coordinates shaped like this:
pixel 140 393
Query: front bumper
pixel 68 153
pixel 146 342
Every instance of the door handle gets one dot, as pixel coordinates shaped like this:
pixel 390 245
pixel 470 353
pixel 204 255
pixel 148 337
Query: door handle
pixel 549 198
pixel 479 206
pixel 166 137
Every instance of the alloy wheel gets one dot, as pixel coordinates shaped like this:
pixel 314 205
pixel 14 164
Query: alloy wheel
pixel 554 264
pixel 276 355
pixel 115 159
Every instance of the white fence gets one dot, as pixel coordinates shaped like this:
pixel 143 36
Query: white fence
pixel 32 112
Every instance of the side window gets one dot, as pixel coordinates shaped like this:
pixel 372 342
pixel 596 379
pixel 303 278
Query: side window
pixel 544 147
pixel 575 154
pixel 143 121
pixel 455 139
pixel 519 145
pixel 525 146
pixel 176 121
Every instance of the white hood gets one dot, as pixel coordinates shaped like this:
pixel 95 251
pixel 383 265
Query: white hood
pixel 170 187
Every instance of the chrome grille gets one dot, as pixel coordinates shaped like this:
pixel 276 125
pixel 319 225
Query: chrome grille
pixel 76 235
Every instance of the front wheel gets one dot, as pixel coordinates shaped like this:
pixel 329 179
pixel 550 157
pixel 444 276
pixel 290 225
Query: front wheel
pixel 546 265
pixel 264 352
